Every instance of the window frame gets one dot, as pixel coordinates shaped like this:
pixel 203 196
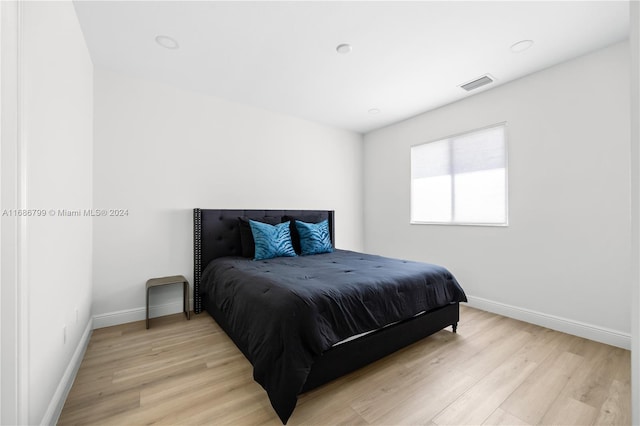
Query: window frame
pixel 506 180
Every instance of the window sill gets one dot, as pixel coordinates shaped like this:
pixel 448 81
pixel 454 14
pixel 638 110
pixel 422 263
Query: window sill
pixel 498 225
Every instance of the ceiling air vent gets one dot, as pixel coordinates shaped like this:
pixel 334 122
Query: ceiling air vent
pixel 479 82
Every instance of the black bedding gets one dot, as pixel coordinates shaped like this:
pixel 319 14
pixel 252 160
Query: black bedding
pixel 284 312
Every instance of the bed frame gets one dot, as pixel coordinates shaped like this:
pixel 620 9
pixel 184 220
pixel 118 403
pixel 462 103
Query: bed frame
pixel 217 234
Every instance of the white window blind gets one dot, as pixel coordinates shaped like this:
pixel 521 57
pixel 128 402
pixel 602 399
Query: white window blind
pixel 461 179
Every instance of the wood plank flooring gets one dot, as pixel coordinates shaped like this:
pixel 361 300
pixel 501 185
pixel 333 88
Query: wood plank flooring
pixel 495 371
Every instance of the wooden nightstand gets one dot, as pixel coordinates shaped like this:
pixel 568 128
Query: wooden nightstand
pixel 175 279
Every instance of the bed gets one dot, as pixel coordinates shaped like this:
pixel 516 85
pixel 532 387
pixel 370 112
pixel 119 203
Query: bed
pixel 303 321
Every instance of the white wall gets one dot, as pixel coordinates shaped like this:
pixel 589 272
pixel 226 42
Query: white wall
pixel 10 347
pixel 564 260
pixel 634 41
pixel 58 134
pixel 160 152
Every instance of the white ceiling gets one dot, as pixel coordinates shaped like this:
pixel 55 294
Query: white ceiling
pixel 407 58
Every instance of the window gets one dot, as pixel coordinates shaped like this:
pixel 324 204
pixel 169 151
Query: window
pixel 461 179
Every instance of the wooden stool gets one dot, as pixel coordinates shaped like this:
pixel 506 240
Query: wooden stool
pixel 175 279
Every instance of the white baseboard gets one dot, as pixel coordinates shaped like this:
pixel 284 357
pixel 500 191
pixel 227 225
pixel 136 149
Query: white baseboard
pixel 60 396
pixel 136 314
pixel 565 325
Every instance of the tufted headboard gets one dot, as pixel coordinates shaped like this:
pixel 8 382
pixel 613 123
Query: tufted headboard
pixel 216 233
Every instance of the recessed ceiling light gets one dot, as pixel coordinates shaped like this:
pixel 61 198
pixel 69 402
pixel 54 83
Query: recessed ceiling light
pixel 374 111
pixel 167 42
pixel 344 48
pixel 521 46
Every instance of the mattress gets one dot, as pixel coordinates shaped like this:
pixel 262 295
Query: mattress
pixel 284 312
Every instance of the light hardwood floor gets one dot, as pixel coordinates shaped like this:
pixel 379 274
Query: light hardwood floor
pixel 494 371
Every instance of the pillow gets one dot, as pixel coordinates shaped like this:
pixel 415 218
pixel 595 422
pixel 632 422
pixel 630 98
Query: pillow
pixel 314 237
pixel 308 218
pixel 271 240
pixel 246 237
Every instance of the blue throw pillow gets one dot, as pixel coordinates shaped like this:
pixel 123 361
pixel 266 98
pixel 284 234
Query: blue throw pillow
pixel 271 240
pixel 314 237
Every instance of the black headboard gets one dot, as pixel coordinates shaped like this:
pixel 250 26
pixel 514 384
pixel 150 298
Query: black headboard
pixel 216 233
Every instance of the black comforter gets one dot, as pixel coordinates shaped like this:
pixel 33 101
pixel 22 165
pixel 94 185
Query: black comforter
pixel 284 312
